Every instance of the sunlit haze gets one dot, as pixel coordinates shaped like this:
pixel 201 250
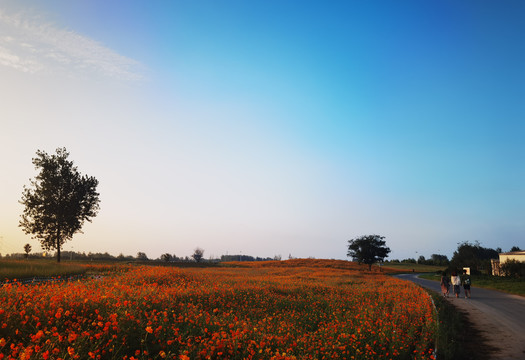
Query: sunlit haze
pixel 270 128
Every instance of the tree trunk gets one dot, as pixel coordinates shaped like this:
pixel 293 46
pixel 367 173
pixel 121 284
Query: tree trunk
pixel 58 246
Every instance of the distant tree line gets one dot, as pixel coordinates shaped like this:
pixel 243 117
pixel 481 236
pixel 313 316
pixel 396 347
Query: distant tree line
pixel 435 259
pixel 197 256
pixel 227 258
pixel 473 256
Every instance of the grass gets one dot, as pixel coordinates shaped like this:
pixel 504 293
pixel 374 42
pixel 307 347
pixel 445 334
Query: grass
pixel 407 267
pixel 514 286
pixel 456 338
pixel 25 269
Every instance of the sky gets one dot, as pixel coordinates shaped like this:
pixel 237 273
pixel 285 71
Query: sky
pixel 271 128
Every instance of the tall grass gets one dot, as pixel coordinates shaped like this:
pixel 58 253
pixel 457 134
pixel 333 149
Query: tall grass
pixel 25 269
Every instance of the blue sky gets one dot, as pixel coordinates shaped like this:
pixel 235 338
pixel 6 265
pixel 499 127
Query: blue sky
pixel 271 127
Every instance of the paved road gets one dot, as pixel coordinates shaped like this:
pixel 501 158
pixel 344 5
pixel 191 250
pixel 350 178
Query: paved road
pixel 500 316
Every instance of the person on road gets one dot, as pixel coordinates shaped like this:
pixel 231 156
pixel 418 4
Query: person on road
pixel 456 283
pixel 445 284
pixel 465 281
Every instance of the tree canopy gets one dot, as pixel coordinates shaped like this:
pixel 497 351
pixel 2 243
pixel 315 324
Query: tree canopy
pixel 58 201
pixel 27 249
pixel 368 249
pixel 198 254
pixel 474 256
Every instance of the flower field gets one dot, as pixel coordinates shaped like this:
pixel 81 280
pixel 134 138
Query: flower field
pixel 258 312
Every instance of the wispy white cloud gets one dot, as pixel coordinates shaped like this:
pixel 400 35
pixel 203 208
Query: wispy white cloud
pixel 30 44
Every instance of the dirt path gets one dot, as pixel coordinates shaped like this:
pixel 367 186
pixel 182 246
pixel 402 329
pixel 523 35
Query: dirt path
pixel 499 317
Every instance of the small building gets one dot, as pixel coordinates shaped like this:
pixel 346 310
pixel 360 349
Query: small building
pixel 513 255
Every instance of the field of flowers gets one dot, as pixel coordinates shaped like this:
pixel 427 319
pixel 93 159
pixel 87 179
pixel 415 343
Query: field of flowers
pixel 259 312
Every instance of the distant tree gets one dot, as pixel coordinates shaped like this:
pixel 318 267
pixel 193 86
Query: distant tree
pixel 515 248
pixel 409 261
pixel 421 260
pixel 439 260
pixel 368 249
pixel 198 254
pixel 59 201
pixel 27 249
pixel 142 256
pixel 474 256
pixel 166 257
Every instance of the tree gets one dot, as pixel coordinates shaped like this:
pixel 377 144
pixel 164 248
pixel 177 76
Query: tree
pixel 166 257
pixel 27 249
pixel 198 254
pixel 515 248
pixel 474 256
pixel 368 249
pixel 59 200
pixel 142 256
pixel 439 260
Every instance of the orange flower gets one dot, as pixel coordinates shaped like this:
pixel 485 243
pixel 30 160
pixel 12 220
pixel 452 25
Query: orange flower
pixel 37 336
pixel 72 337
pixel 299 309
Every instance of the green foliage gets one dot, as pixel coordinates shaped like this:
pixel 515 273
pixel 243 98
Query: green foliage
pixel 368 249
pixel 142 256
pixel 198 254
pixel 474 256
pixel 166 257
pixel 59 200
pixel 513 268
pixel 27 250
pixel 437 259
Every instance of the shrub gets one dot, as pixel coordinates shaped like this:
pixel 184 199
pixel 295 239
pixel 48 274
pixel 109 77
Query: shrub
pixel 513 268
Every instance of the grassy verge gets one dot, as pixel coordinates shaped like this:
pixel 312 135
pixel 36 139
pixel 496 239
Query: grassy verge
pixel 24 269
pixel 456 337
pixel 514 286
